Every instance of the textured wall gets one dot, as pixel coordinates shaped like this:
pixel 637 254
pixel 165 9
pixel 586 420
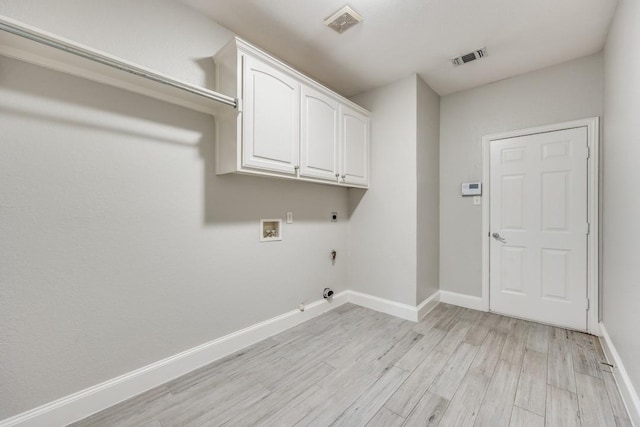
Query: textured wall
pixel 393 228
pixel 382 226
pixel 428 175
pixel 164 35
pixel 120 246
pixel 621 207
pixel 569 91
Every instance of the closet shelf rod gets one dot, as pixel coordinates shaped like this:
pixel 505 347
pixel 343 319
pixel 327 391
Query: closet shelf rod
pixel 112 62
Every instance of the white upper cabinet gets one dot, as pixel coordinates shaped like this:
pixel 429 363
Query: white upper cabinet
pixel 271 125
pixel 289 126
pixel 355 128
pixel 319 148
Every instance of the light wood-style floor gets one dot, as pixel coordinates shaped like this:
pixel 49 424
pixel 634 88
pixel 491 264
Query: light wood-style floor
pixel 356 367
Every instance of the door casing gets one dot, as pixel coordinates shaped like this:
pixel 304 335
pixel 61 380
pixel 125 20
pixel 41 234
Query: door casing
pixel 593 140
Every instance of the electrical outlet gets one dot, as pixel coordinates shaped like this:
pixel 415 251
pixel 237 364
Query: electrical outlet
pixel 289 217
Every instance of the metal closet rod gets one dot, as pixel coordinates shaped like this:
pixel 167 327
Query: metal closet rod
pixel 123 66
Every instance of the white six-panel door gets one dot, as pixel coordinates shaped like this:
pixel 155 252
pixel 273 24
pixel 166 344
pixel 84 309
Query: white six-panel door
pixel 538 223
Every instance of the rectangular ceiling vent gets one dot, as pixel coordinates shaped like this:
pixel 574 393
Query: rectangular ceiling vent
pixel 343 19
pixel 471 56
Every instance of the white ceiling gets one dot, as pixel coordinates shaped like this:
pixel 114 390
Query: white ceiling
pixel 401 37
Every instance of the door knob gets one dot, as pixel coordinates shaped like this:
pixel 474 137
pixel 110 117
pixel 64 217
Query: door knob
pixel 499 238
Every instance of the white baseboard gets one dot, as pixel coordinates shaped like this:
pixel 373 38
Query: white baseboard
pixel 627 391
pixel 427 305
pixel 461 300
pixel 101 396
pixel 398 309
pixel 96 398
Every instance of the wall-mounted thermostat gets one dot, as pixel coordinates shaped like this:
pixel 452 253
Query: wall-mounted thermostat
pixel 472 189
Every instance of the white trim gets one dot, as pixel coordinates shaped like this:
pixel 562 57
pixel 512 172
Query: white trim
pixel 427 305
pixel 628 393
pixel 593 245
pixel 486 225
pixel 398 309
pixel 104 395
pixel 461 300
pixel 101 396
pixel 593 141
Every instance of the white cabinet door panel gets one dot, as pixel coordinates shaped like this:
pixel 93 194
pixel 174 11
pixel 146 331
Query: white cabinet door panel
pixel 355 128
pixel 319 141
pixel 271 118
pixel 288 126
pixel 538 206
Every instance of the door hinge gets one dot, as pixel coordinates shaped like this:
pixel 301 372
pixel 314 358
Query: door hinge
pixel 588 228
pixel 588 152
pixel 588 304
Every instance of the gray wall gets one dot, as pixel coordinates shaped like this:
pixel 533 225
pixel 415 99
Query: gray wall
pixel 569 91
pixel 621 207
pixel 164 35
pixel 382 225
pixel 120 246
pixel 428 175
pixel 393 227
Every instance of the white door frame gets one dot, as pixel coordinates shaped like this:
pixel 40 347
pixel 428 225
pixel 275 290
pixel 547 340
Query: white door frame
pixel 593 141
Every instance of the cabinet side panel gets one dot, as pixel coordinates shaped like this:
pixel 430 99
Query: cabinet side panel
pixel 227 81
pixel 226 144
pixel 226 61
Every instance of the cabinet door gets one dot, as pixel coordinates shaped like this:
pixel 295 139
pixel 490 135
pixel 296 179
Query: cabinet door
pixel 319 136
pixel 271 118
pixel 354 128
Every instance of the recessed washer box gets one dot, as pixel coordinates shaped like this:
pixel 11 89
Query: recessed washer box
pixel 270 230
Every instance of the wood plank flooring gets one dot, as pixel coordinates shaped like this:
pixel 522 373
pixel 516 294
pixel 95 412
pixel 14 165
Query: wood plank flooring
pixel 357 367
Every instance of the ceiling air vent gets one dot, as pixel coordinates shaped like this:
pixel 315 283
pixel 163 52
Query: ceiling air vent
pixel 471 56
pixel 343 19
